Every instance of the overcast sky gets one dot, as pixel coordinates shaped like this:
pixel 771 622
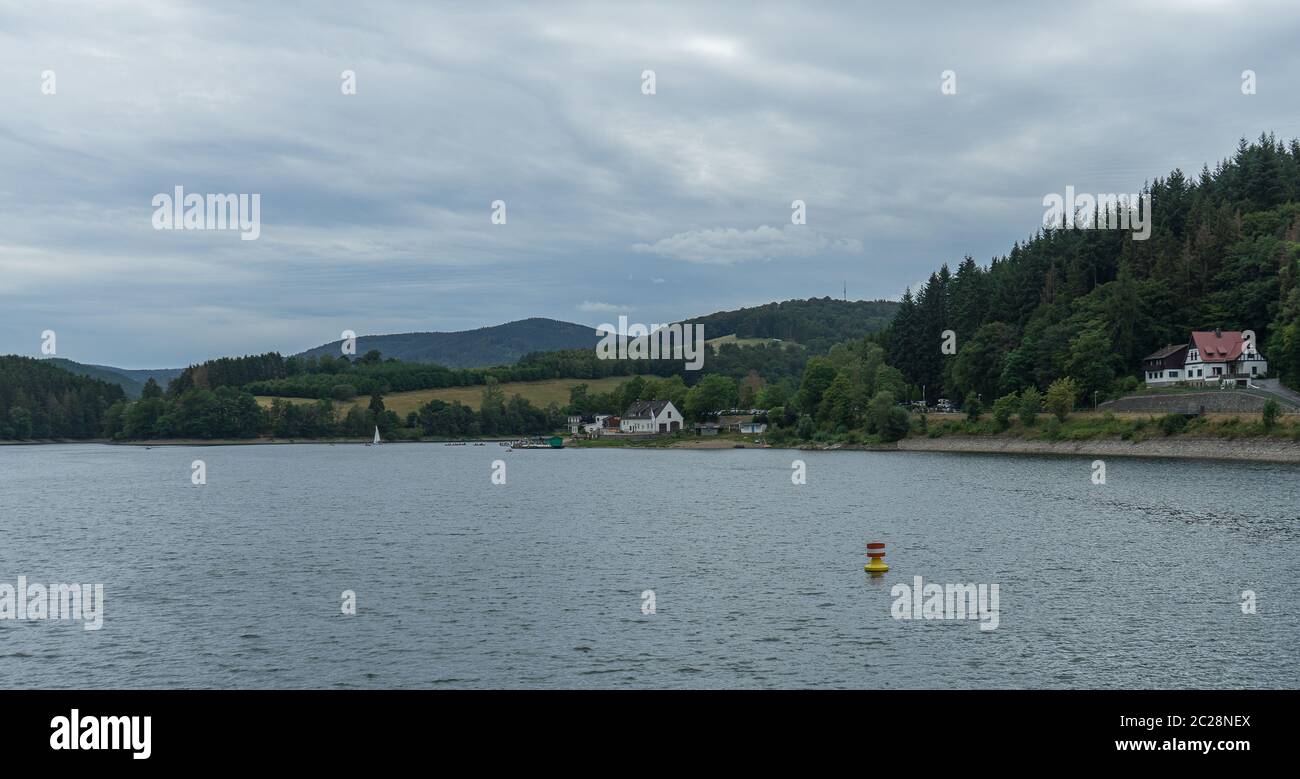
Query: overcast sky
pixel 376 207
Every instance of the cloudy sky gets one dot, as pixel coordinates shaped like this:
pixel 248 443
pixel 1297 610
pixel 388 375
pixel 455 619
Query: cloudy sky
pixel 376 206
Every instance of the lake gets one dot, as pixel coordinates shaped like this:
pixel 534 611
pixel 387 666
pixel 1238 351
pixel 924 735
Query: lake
pixel 757 582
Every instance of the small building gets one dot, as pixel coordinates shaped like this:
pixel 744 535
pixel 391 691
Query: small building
pixel 594 424
pixel 1165 366
pixel 753 427
pixel 731 422
pixel 706 428
pixel 651 416
pixel 1210 356
pixel 590 424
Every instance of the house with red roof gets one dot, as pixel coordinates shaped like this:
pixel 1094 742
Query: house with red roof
pixel 1209 357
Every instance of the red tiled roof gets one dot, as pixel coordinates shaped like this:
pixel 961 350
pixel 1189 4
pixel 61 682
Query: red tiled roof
pixel 1223 346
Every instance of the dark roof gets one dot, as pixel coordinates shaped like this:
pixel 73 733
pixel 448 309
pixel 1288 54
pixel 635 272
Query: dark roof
pixel 1165 352
pixel 645 409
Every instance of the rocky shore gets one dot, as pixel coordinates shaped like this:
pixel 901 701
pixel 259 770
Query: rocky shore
pixel 1259 449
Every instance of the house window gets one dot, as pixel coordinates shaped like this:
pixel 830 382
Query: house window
pixel 1173 374
pixel 1253 369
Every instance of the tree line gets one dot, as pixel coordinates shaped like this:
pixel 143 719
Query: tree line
pixel 40 400
pixel 1224 251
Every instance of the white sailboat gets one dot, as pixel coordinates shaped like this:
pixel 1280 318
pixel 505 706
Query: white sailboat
pixel 375 442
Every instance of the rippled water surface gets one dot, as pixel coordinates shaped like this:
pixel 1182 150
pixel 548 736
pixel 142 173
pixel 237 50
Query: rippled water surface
pixel 538 583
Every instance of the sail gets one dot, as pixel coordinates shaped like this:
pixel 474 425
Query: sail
pixel 376 435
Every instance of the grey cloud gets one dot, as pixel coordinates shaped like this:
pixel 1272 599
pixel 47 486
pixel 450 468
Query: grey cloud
pixel 375 207
pixel 728 246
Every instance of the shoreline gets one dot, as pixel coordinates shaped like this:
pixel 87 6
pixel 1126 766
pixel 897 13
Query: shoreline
pixel 1238 449
pixel 1190 448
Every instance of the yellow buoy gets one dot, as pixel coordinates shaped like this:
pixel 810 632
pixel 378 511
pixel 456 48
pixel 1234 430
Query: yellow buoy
pixel 875 551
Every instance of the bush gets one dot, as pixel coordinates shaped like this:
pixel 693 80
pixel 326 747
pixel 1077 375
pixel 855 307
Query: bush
pixel 1031 402
pixel 896 425
pixel 1060 397
pixel 1003 408
pixel 1269 415
pixel 972 407
pixel 878 412
pixel 1171 424
pixel 805 427
pixel 1052 429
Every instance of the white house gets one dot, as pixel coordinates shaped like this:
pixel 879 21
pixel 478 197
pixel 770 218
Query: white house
pixel 1211 356
pixel 1222 356
pixel 590 424
pixel 651 416
pixel 1165 366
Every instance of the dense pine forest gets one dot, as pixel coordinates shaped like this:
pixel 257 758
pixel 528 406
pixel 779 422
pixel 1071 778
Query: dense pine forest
pixel 1224 251
pixel 41 400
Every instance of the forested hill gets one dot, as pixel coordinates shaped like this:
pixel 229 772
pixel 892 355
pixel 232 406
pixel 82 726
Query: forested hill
pixel 486 346
pixel 1224 251
pixel 817 323
pixel 41 400
pixel 131 381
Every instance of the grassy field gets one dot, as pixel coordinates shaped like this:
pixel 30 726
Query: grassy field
pixel 539 393
pixel 732 339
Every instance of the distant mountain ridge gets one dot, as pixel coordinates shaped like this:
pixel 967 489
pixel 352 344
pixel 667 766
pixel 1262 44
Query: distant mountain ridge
pixel 131 381
pixel 487 346
pixel 817 323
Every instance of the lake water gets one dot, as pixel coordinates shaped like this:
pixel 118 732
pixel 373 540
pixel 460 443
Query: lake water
pixel 757 582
